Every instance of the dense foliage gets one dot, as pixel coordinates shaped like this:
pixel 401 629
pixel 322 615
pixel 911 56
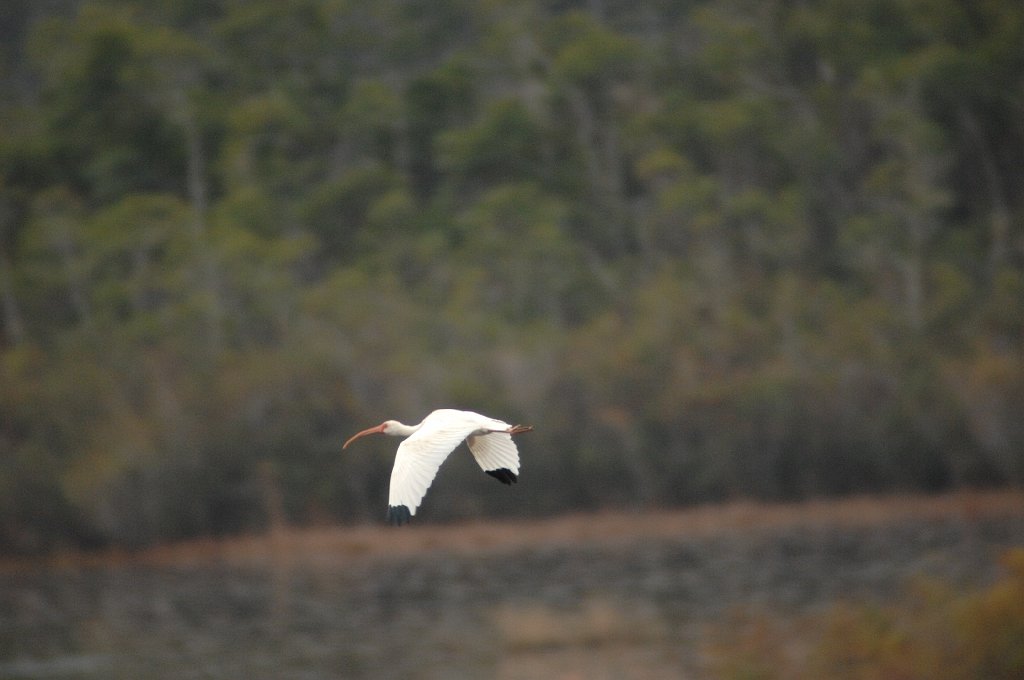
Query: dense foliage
pixel 709 249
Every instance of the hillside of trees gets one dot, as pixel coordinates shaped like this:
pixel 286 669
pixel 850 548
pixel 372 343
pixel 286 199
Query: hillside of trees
pixel 710 249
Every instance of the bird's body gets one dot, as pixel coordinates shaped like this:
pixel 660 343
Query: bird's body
pixel 428 444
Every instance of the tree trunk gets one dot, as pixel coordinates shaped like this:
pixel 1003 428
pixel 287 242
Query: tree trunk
pixel 13 326
pixel 999 233
pixel 77 293
pixel 196 183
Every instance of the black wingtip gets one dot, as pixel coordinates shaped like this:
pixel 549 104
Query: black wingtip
pixel 398 515
pixel 503 475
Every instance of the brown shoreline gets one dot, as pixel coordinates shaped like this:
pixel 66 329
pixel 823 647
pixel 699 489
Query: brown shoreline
pixel 349 544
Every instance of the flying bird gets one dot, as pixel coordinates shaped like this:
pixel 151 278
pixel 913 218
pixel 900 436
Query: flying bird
pixel 429 443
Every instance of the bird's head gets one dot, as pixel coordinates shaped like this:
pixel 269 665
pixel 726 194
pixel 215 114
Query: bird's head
pixel 387 427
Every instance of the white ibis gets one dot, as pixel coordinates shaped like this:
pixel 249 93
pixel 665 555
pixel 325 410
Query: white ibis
pixel 429 443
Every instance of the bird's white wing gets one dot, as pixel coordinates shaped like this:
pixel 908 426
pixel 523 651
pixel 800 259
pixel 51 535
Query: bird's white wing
pixel 495 451
pixel 420 456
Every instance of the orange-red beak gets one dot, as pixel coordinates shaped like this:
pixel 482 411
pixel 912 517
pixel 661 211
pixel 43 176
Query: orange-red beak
pixel 377 429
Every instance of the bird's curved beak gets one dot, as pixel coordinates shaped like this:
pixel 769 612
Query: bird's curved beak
pixel 377 429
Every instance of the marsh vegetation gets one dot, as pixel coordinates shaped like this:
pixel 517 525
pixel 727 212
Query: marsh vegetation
pixel 862 588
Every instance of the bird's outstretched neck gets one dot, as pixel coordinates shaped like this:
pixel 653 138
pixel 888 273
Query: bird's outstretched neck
pixel 397 429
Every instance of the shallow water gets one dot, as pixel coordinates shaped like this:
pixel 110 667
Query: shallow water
pixel 635 611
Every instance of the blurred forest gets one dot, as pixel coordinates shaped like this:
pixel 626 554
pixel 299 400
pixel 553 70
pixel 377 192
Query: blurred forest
pixel 710 249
